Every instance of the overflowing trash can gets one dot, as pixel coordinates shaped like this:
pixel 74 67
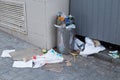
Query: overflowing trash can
pixel 65 33
pixel 65 39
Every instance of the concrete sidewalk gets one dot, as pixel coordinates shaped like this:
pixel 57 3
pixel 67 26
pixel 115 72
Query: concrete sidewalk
pixel 84 69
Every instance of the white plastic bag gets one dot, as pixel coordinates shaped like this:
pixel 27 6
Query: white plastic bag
pixel 90 48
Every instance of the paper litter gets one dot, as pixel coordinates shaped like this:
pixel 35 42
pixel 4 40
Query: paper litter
pixel 6 53
pixel 38 64
pixel 50 57
pixel 23 64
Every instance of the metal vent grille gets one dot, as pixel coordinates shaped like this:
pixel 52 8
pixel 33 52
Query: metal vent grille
pixel 12 15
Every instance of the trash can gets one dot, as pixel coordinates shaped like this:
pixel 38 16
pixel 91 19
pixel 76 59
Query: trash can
pixel 65 41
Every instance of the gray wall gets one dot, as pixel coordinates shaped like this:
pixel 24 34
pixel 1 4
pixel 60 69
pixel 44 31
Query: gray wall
pixel 99 19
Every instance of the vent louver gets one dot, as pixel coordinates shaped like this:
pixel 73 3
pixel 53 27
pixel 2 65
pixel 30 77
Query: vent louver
pixel 12 15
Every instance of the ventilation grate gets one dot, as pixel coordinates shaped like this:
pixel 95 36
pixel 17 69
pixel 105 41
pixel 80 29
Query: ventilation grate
pixel 12 15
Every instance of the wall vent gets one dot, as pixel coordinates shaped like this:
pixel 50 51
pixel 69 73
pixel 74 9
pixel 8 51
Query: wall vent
pixel 12 15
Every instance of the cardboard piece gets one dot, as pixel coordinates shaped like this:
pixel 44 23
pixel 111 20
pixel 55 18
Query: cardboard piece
pixel 25 54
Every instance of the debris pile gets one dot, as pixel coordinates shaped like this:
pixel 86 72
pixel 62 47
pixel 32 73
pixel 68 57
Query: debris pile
pixel 66 43
pixel 35 61
pixel 52 60
pixel 89 47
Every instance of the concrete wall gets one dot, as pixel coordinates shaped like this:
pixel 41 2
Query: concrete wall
pixel 40 18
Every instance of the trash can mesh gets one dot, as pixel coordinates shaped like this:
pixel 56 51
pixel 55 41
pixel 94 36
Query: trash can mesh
pixel 65 39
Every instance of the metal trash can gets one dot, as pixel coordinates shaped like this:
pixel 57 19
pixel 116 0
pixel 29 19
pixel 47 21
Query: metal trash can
pixel 65 39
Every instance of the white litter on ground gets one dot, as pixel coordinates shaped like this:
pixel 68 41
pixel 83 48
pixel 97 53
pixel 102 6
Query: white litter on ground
pixel 50 57
pixel 6 53
pixel 38 64
pixel 90 48
pixel 23 64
